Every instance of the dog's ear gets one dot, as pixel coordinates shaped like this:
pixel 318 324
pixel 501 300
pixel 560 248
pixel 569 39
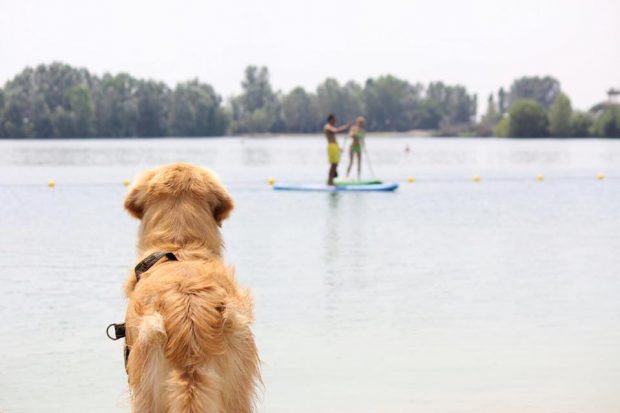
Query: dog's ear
pixel 217 196
pixel 136 197
pixel 223 204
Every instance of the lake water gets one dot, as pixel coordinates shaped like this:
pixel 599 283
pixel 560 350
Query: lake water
pixel 445 296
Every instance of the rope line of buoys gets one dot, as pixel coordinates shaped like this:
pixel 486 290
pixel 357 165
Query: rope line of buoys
pixel 51 183
pixel 539 178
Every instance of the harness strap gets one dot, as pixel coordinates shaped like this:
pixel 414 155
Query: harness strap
pixel 142 267
pixel 146 264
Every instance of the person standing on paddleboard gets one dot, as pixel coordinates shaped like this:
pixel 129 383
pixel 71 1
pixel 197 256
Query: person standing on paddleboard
pixel 333 150
pixel 357 133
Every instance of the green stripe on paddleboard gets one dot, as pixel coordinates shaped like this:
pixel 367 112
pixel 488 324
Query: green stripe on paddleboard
pixel 343 181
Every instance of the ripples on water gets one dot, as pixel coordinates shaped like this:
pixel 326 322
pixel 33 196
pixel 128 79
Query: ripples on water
pixel 446 296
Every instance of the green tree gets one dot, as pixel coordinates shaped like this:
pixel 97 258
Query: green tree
pixel 607 123
pixel 393 104
pixel 55 79
pixel 581 123
pixel 117 106
pixel 502 129
pixel 501 100
pixel 13 121
pixel 257 109
pixel 80 103
pixel 300 111
pixel 346 102
pixel 528 119
pixel 543 90
pixel 153 105
pixel 490 119
pixel 64 123
pixel 2 133
pixel 560 117
pixel 473 112
pixel 455 104
pixel 257 91
pixel 197 111
pixel 430 114
pixel 42 126
pixel 34 95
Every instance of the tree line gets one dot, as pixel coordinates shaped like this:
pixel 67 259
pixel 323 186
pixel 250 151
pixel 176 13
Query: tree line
pixel 58 100
pixel 536 107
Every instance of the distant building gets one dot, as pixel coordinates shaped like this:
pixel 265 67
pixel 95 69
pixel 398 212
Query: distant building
pixel 612 95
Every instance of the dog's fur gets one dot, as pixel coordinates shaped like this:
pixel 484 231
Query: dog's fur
pixel 188 322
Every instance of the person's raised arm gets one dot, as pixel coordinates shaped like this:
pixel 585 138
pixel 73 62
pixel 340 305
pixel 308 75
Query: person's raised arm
pixel 343 127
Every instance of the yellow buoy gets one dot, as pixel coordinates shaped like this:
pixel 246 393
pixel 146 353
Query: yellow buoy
pixel 540 178
pixel 600 176
pixel 126 182
pixel 271 181
pixel 476 178
pixel 410 179
pixel 51 183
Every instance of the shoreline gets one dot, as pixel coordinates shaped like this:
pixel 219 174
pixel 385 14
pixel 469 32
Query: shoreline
pixel 417 134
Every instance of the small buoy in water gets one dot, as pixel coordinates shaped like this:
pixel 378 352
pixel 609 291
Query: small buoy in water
pixel 271 181
pixel 410 179
pixel 540 178
pixel 600 176
pixel 476 178
pixel 51 183
pixel 126 182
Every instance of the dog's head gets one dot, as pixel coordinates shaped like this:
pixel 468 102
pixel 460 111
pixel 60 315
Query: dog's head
pixel 183 183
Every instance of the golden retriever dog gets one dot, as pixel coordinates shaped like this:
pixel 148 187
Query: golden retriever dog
pixel 190 345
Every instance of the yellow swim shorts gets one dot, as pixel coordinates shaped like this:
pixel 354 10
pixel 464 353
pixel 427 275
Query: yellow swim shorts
pixel 333 153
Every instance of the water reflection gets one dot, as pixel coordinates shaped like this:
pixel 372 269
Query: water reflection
pixel 255 155
pixel 332 239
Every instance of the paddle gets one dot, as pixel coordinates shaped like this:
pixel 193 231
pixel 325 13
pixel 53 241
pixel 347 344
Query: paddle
pixel 368 159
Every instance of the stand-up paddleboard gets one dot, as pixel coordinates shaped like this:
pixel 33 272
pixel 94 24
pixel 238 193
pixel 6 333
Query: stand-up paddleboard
pixel 338 188
pixel 347 181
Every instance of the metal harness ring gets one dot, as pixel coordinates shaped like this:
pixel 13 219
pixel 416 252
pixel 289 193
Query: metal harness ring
pixel 119 331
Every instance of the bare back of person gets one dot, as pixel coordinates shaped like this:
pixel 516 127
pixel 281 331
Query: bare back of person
pixel 330 133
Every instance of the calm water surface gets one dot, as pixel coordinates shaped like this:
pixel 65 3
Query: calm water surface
pixel 446 296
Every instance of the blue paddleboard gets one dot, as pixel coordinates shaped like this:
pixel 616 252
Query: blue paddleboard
pixel 340 188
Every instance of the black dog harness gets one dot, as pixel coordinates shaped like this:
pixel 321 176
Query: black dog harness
pixel 142 267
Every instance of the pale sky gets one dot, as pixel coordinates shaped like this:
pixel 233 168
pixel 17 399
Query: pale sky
pixel 481 44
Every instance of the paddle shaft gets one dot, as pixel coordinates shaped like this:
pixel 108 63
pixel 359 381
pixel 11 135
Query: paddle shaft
pixel 368 158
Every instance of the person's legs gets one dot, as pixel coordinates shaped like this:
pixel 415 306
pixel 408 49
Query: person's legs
pixel 359 165
pixel 332 173
pixel 333 154
pixel 350 160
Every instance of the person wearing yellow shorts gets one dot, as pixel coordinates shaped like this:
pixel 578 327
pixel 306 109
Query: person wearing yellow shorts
pixel 333 150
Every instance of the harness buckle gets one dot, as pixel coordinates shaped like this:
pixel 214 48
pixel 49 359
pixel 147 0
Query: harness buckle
pixel 119 331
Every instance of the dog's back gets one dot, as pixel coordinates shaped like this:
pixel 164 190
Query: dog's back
pixel 188 323
pixel 191 347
